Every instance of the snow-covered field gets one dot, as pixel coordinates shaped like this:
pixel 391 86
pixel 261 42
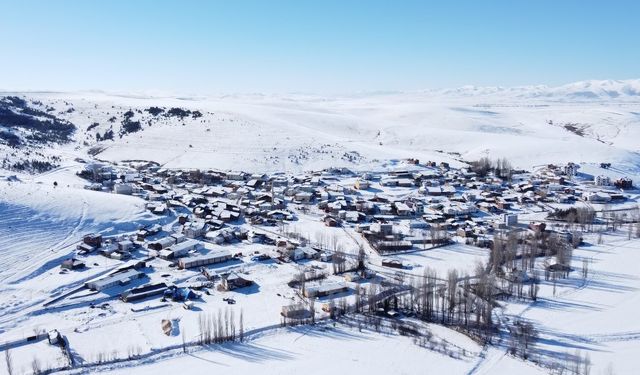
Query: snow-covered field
pixel 319 350
pixel 593 315
pixel 39 220
pixel 590 121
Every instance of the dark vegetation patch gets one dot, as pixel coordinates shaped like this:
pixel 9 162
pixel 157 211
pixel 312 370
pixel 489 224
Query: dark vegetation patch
pixel 34 166
pixel 43 127
pixel 10 139
pixel 575 129
pixel 154 111
pixel 182 113
pixel 128 125
pixel 108 135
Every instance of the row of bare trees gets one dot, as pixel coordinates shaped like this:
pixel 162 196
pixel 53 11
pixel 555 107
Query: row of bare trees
pixel 519 250
pixel 501 167
pixel 220 327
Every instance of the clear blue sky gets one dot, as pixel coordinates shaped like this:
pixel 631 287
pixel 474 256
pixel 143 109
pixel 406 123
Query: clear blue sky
pixel 319 46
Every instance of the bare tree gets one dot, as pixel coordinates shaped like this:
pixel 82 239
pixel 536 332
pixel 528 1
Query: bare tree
pixel 452 286
pixel 241 325
pixel 586 365
pixel 184 341
pixel 609 369
pixel 9 361
pixel 523 336
pixel 585 268
pixel 36 368
pixel 312 309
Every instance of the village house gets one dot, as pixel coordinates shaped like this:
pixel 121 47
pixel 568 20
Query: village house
pixel 402 209
pixel 179 249
pixel 194 229
pixel 602 180
pixel 570 169
pixel 213 257
pixel 94 240
pixel 234 281
pixel 362 184
pixel 115 279
pixel 72 264
pixel 510 219
pixel 296 311
pixel 596 197
pixel 325 289
pixel 624 183
pixel 303 197
pixel 124 188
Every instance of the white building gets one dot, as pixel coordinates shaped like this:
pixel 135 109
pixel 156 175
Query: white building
pixel 203 260
pixel 602 180
pixel 120 278
pixel 126 189
pixel 571 169
pixel 597 197
pixel 178 250
pixel 510 219
pixel 194 229
pixel 362 184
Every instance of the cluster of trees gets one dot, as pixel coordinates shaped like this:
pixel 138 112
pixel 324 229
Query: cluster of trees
pixel 10 139
pixel 458 300
pixel 339 262
pixel 128 125
pixel 513 256
pixel 154 111
pixel 574 364
pixel 182 113
pixel 500 167
pixel 44 127
pixel 584 216
pixel 173 112
pixel 108 135
pixel 36 166
pixel 519 250
pixel 220 327
pixel 522 335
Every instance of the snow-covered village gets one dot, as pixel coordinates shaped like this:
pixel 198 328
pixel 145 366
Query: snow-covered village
pixel 225 258
pixel 286 187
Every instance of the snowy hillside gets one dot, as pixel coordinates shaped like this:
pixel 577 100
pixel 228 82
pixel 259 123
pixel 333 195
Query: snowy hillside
pixel 589 121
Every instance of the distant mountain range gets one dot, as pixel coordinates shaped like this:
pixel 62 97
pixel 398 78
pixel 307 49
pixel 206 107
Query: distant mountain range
pixel 592 90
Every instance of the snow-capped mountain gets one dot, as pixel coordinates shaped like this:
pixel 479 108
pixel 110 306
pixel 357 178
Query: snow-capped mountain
pixel 591 90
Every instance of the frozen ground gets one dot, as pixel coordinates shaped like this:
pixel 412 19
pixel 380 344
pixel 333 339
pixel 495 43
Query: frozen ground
pixel 39 227
pixel 40 220
pixel 593 315
pixel 327 348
